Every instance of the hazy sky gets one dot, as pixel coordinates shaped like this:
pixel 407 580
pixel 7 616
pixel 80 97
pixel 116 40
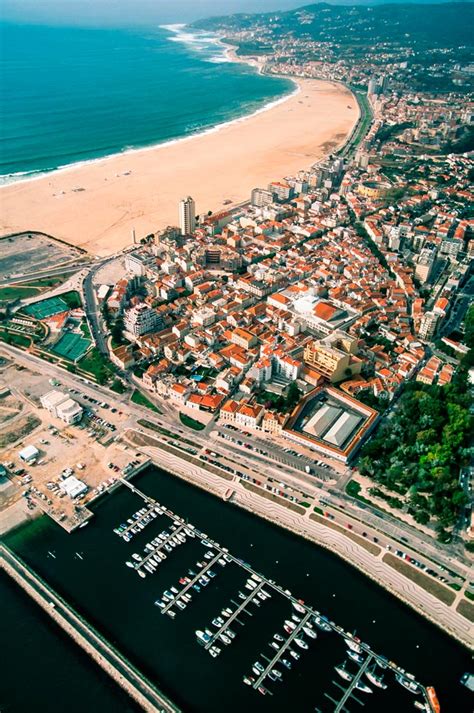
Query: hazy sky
pixel 126 12
pixel 141 12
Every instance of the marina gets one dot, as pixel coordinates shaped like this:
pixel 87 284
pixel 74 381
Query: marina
pixel 358 652
pixel 341 603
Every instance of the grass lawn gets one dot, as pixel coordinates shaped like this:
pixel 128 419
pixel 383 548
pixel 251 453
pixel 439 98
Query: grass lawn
pixel 94 363
pixel 191 422
pixel 72 299
pixel 140 400
pixel 17 293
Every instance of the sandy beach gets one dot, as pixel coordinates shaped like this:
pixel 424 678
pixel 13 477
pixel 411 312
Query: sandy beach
pixel 95 206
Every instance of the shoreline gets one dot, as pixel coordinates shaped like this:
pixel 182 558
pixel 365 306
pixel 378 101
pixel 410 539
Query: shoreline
pixel 96 205
pixel 230 54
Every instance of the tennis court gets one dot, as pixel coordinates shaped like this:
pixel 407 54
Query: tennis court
pixel 46 308
pixel 71 346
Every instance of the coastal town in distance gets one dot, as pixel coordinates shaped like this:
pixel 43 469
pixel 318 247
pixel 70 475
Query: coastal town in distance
pixel 300 350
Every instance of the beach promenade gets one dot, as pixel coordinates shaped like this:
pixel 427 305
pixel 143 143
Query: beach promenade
pixel 96 205
pixel 373 565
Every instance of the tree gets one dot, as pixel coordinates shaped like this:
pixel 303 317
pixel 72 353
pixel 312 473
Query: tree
pixel 292 396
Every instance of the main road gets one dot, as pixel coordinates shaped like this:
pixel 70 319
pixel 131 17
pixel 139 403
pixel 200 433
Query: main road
pixel 447 556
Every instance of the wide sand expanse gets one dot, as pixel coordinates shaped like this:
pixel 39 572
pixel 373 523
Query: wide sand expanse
pixel 95 206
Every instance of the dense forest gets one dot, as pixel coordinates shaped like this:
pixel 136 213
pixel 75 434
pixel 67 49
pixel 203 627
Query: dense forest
pixel 419 450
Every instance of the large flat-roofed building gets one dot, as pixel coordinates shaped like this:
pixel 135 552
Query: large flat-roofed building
pixel 73 487
pixel 329 421
pixel 61 406
pixel 29 454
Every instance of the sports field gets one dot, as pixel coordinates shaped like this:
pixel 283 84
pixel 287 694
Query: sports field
pixel 47 308
pixel 71 346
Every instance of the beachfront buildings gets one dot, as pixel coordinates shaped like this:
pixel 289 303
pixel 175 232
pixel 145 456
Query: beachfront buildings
pixel 187 216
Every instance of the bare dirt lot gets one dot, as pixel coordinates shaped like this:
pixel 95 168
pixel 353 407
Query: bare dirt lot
pixel 31 252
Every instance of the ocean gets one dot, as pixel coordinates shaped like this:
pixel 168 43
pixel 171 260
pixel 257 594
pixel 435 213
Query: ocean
pixel 72 95
pixel 120 605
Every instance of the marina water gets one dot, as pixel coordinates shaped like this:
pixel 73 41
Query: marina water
pixel 88 569
pixel 71 94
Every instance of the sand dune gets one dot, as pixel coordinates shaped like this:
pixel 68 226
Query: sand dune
pixel 95 206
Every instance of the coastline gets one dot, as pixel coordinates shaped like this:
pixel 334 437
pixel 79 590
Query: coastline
pixel 96 206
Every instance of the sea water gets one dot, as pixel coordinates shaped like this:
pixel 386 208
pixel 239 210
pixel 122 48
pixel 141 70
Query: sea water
pixel 71 95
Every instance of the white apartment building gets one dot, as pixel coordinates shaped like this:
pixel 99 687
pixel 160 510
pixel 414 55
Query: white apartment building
pixel 187 216
pixel 142 319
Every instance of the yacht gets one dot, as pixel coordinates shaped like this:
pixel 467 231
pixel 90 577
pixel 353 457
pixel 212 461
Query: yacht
pixel 231 634
pixel 262 690
pixel 259 666
pixel 290 624
pixel 217 622
pixel 361 686
pixel 137 557
pixel 302 644
pixel 274 645
pixel 255 670
pixel 355 657
pixel 321 623
pixel 242 595
pixel 299 608
pixel 249 680
pixel 276 673
pixel 130 564
pixel 312 634
pixel 215 650
pixel 141 573
pixel 376 680
pixel 295 654
pixel 407 682
pixel 353 645
pixel 341 670
pixel 278 637
pixel 296 618
pixel 202 637
pixel 225 639
pixel 286 663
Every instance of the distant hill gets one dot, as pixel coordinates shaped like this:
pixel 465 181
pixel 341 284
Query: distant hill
pixel 411 25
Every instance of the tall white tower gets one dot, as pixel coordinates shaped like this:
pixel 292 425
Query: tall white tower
pixel 187 216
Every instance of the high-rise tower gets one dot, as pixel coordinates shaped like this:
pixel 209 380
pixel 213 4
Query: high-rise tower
pixel 187 216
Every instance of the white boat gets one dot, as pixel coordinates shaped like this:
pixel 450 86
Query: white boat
pixel 361 686
pixel 341 670
pixel 376 680
pixel 291 624
pixel 355 657
pixel 312 634
pixel 353 646
pixel 216 650
pixel 141 573
pixel 299 608
pixel 321 623
pixel 130 564
pixel 302 644
pixel 407 682
pixel 202 637
pixel 225 639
